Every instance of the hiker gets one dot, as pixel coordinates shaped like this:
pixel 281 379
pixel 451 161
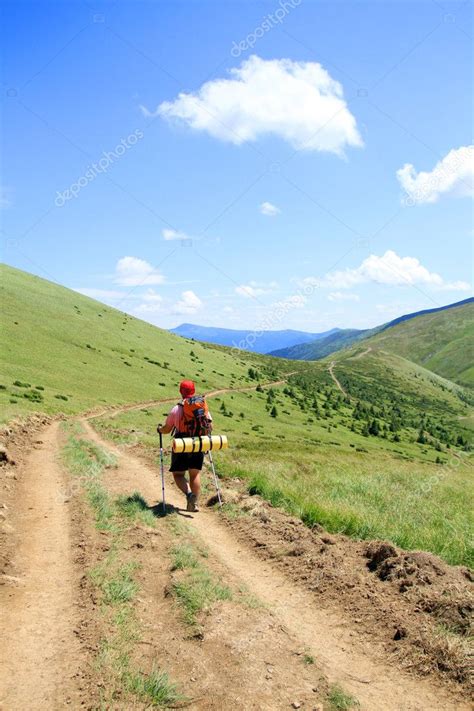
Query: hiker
pixel 189 418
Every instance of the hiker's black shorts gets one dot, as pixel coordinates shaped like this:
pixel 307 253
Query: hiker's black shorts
pixel 186 460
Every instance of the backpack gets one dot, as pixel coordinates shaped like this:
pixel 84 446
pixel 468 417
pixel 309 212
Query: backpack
pixel 196 416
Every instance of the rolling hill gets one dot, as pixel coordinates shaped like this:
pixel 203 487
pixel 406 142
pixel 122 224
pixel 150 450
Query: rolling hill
pixel 441 339
pixel 257 341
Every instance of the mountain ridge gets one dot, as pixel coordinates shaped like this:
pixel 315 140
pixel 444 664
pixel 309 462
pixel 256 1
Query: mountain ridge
pixel 249 339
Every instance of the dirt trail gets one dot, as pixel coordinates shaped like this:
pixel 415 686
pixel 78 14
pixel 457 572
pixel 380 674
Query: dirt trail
pixel 39 652
pixel 341 654
pixel 361 355
pixel 336 381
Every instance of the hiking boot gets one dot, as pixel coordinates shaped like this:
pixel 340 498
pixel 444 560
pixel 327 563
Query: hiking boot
pixel 191 504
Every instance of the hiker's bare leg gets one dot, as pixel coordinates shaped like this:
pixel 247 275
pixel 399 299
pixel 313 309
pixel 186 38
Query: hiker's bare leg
pixel 195 481
pixel 181 482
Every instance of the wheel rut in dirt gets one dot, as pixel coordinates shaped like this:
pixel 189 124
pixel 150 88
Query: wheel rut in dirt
pixel 39 652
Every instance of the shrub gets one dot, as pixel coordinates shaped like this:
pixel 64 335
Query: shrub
pixel 61 397
pixel 33 395
pixel 19 384
pixel 39 387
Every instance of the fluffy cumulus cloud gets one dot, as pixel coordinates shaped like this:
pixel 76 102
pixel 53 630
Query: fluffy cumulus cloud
pixel 391 270
pixel 453 175
pixel 268 209
pixel 188 304
pixel 131 271
pixel 169 235
pixel 297 101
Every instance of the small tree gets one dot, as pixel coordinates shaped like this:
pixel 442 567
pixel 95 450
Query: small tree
pixel 421 439
pixel 274 412
pixel 374 428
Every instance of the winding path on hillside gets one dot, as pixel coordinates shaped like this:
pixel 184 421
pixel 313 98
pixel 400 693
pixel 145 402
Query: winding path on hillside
pixel 40 654
pixel 336 381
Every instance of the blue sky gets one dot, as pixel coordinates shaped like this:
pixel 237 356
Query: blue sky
pixel 241 164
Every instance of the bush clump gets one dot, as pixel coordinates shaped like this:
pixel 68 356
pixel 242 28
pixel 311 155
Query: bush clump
pixel 33 395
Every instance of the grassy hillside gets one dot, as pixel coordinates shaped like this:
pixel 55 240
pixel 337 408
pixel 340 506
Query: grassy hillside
pixel 442 341
pixel 65 352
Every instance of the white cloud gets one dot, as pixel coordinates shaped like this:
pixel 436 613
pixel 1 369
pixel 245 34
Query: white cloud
pixel 455 286
pixel 131 271
pixel 266 208
pixel 254 289
pixel 453 175
pixel 169 234
pixel 189 303
pixel 341 296
pixel 391 270
pixel 296 101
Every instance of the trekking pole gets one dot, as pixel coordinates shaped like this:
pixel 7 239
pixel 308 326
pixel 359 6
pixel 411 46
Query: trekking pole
pixel 162 474
pixel 216 480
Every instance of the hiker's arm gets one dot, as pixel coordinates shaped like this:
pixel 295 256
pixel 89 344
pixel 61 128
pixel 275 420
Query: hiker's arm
pixel 169 425
pixel 164 429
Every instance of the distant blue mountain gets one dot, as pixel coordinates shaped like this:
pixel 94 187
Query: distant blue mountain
pixel 257 341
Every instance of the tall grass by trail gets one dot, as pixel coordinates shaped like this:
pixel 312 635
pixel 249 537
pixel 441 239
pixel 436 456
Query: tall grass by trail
pixel 414 509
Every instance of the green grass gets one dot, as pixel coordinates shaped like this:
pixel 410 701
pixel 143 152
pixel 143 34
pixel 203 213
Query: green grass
pixel 135 507
pixel 196 589
pixel 198 592
pixel 183 556
pixel 154 687
pixel 87 461
pixel 339 700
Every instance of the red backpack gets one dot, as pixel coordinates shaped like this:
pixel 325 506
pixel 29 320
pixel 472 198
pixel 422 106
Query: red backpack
pixel 196 416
